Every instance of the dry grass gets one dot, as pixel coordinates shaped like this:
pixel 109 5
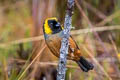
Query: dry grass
pixel 21 22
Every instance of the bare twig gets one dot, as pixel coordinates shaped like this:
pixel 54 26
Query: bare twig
pixel 116 54
pixel 75 32
pixel 114 47
pixel 38 55
pixel 99 59
pixel 96 35
pixel 97 63
pixel 3 45
pixel 64 46
pixel 91 26
pixel 96 29
pixel 96 12
pixel 42 64
pixel 109 18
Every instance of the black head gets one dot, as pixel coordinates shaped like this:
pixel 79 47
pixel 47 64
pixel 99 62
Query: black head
pixel 55 26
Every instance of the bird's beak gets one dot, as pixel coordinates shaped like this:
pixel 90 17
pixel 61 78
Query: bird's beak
pixel 58 24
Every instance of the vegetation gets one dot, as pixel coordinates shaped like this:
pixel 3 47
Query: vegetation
pixel 24 55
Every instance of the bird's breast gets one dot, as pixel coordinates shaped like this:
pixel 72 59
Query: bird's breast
pixel 54 43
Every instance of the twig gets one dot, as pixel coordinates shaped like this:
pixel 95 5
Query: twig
pixel 99 59
pixel 64 46
pixel 116 53
pixel 75 32
pixel 94 10
pixel 114 47
pixel 109 18
pixel 97 63
pixel 42 64
pixel 96 35
pixel 3 45
pixel 91 26
pixel 31 63
pixel 96 29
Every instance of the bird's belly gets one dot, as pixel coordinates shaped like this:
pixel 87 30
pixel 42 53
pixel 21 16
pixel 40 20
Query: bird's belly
pixel 54 44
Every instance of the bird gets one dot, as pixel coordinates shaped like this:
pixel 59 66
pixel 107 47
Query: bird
pixel 53 34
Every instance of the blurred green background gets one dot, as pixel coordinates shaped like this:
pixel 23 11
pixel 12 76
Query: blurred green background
pixel 21 39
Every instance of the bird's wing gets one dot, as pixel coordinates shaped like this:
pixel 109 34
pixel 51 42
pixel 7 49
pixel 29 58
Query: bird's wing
pixel 74 50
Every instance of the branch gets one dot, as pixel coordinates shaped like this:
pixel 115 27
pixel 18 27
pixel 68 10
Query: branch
pixel 64 46
pixel 75 32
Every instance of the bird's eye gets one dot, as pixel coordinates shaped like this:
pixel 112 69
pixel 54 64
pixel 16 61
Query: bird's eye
pixel 51 23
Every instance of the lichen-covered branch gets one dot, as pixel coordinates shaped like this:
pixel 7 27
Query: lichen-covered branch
pixel 65 43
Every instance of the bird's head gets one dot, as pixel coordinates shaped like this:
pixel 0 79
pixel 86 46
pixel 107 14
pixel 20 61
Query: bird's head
pixel 52 26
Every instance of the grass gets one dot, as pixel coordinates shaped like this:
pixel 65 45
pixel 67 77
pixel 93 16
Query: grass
pixel 17 27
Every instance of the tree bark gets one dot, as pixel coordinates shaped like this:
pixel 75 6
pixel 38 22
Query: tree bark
pixel 65 43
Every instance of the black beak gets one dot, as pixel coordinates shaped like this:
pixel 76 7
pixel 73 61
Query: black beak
pixel 58 24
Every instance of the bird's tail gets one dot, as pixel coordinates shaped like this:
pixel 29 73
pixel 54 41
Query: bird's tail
pixel 84 64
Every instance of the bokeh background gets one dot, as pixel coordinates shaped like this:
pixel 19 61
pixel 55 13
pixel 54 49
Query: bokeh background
pixel 23 52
